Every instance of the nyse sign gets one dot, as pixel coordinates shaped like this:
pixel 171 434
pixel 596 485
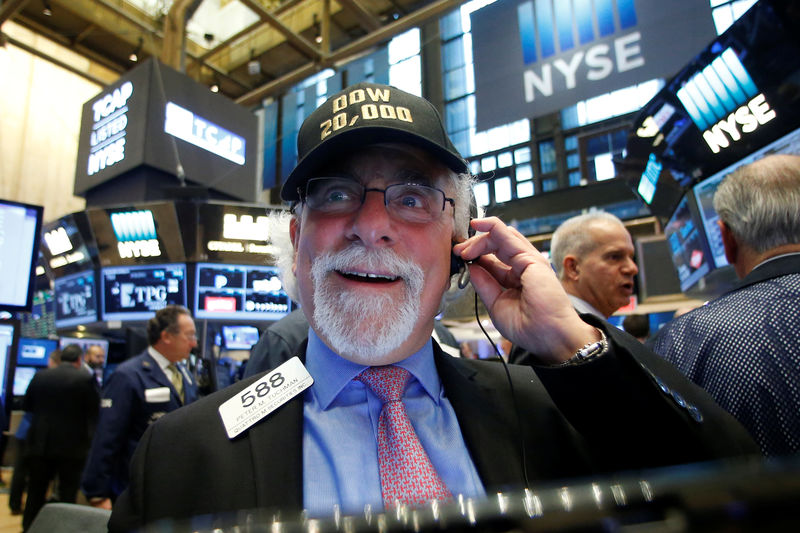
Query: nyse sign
pixel 745 120
pixel 559 52
pixel 107 140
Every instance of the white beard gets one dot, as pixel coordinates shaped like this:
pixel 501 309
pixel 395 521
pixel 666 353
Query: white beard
pixel 366 328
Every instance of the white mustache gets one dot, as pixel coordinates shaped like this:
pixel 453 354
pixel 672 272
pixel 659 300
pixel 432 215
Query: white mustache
pixel 368 260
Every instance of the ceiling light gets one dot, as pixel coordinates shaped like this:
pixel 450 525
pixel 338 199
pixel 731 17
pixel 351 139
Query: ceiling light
pixel 317 30
pixel 134 57
pixel 253 66
pixel 215 88
pixel 46 10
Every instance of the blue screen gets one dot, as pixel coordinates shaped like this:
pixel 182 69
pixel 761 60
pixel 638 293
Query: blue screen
pixel 137 292
pixel 35 352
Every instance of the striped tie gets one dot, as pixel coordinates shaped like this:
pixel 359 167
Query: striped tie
pixel 176 379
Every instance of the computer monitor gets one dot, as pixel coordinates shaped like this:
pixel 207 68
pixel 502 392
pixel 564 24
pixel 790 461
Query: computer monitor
pixel 137 292
pixel 21 229
pixel 35 352
pixel 76 299
pixel 239 337
pixel 8 332
pixel 22 378
pixel 239 292
pixel 84 343
pixel 688 246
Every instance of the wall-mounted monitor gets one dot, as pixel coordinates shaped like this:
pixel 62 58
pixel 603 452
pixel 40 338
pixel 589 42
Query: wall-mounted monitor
pixel 22 378
pixel 239 337
pixel 35 352
pixel 137 292
pixel 68 245
pixel 239 292
pixel 20 232
pixel 690 253
pixel 76 299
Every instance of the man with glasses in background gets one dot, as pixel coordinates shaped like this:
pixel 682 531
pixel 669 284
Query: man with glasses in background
pixel 380 196
pixel 140 391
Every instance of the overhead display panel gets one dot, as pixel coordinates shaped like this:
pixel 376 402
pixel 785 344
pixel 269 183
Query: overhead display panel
pixel 737 96
pixel 68 245
pixel 556 53
pixel 137 234
pixel 234 233
pixel 242 292
pixel 136 293
pixel 157 117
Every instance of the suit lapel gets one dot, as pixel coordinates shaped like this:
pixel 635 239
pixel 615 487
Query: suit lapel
pixel 482 412
pixel 277 455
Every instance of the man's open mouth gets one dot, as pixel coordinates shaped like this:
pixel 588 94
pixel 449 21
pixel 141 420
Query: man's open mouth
pixel 365 277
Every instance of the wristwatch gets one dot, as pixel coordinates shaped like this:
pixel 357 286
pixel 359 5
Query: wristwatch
pixel 589 352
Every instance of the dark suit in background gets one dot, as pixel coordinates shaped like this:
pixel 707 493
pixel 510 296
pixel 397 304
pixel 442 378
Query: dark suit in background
pixel 127 409
pixel 744 349
pixel 64 403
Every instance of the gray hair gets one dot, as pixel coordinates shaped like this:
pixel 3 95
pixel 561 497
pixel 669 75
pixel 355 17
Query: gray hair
pixel 279 221
pixel 572 238
pixel 760 202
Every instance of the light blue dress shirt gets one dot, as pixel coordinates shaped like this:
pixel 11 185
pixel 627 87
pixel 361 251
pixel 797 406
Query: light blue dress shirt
pixel 340 452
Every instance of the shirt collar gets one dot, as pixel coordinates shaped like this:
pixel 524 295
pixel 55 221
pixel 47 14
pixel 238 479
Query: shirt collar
pixel 333 373
pixel 162 361
pixel 582 306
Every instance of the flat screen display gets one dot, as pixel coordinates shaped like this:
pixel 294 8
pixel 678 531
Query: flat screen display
pixel 239 292
pixel 20 232
pixel 76 299
pixel 22 378
pixel 688 247
pixel 35 352
pixel 137 292
pixel 239 337
pixel 704 191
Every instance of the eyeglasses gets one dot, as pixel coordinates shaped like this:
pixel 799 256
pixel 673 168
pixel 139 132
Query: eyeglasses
pixel 411 202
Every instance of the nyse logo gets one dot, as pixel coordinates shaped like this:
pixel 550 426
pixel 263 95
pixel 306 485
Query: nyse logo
pixel 136 234
pixel 576 25
pixel 724 102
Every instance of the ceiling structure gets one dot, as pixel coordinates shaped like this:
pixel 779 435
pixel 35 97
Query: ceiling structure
pixel 251 49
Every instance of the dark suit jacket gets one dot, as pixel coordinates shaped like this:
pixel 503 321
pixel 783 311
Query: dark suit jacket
pixel 125 414
pixel 64 402
pixel 589 431
pixel 744 349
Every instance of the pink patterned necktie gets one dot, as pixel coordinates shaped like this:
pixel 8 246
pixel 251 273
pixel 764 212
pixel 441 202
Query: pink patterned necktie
pixel 407 474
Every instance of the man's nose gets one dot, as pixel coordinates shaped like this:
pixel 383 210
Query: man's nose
pixel 372 222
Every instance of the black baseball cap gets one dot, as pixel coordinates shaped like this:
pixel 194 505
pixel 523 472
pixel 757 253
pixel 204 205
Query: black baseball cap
pixel 368 113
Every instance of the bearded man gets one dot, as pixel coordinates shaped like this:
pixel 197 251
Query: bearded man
pixel 379 197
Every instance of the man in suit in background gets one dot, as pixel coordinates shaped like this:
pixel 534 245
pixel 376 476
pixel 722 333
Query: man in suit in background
pixel 380 195
pixel 63 404
pixel 744 347
pixel 93 360
pixel 140 391
pixel 593 257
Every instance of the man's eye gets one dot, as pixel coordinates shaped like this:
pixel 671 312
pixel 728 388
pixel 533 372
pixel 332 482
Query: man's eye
pixel 412 201
pixel 335 196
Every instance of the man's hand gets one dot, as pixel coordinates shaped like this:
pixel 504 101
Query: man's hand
pixel 522 293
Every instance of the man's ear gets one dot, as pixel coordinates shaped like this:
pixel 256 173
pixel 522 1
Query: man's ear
pixel 294 234
pixel 729 242
pixel 572 270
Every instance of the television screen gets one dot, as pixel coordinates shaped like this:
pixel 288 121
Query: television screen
pixel 239 292
pixel 688 247
pixel 40 322
pixel 239 337
pixel 22 378
pixel 20 231
pixel 704 191
pixel 35 352
pixel 136 293
pixel 76 299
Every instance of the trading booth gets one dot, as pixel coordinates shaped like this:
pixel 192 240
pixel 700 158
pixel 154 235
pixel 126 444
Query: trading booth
pixel 734 103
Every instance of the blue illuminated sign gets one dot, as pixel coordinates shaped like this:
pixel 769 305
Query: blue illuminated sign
pixel 535 21
pixel 134 225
